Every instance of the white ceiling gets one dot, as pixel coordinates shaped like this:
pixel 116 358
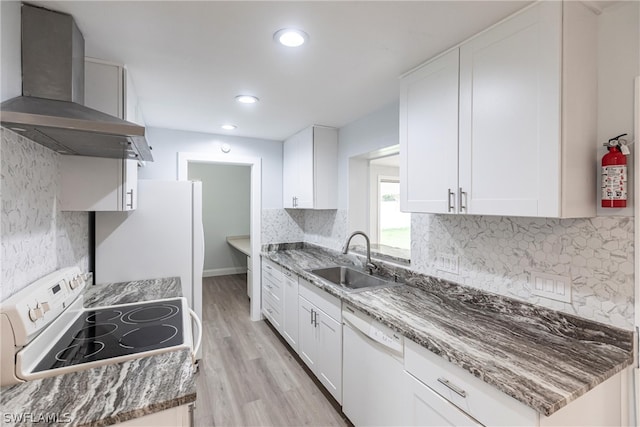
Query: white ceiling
pixel 189 60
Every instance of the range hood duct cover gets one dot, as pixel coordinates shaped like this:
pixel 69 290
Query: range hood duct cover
pixel 50 110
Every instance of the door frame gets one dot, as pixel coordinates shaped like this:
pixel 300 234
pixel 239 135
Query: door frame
pixel 184 158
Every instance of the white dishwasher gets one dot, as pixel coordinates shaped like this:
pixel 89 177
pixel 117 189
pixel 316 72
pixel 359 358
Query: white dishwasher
pixel 372 371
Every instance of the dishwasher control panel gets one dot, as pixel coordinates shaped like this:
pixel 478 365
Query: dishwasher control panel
pixel 373 329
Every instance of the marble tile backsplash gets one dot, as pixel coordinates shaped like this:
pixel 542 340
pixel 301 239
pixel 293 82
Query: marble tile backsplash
pixel 498 254
pixel 36 238
pixel 326 228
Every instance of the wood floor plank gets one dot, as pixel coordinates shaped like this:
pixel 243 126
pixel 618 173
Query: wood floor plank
pixel 247 375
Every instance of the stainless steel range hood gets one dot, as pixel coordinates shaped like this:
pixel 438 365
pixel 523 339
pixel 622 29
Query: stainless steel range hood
pixel 50 110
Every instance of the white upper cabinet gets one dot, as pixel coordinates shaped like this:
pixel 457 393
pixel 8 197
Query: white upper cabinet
pixel 98 184
pixel 310 172
pixel 519 137
pixel 429 136
pixel 109 88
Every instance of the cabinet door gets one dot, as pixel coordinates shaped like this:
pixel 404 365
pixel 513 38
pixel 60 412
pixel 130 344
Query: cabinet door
pixel 93 183
pixel 426 408
pixel 510 100
pixel 289 172
pixel 429 137
pixel 130 179
pixel 306 170
pixel 307 334
pixel 290 312
pixel 330 354
pixel 103 86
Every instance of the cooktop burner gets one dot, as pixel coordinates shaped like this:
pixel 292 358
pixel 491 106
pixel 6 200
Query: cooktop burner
pixel 112 332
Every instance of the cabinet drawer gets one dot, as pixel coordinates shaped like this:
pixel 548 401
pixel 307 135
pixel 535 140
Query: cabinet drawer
pixel 475 397
pixel 271 270
pixel 321 299
pixel 275 288
pixel 271 310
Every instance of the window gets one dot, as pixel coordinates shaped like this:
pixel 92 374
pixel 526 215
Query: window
pixel 394 227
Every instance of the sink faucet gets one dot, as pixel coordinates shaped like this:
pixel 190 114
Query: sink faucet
pixel 345 249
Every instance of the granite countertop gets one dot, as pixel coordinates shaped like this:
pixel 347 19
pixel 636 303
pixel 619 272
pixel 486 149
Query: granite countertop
pixel 543 358
pixel 113 393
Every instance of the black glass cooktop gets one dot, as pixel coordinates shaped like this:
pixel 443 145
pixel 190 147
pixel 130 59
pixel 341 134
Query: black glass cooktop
pixel 105 333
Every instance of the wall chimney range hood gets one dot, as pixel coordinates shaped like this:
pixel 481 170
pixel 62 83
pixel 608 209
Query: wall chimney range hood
pixel 50 110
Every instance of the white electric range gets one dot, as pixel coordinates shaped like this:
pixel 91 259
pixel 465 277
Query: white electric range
pixel 46 331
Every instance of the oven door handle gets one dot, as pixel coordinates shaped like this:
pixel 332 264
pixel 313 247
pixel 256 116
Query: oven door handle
pixel 196 319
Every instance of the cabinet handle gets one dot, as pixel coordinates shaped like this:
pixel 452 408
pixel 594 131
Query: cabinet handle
pixel 463 206
pixel 452 387
pixel 267 266
pixel 295 202
pixel 315 319
pixel 130 193
pixel 269 311
pixel 451 206
pixel 311 312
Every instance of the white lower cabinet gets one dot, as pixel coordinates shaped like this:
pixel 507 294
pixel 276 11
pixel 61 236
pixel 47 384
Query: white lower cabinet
pixel 439 393
pixel 425 407
pixel 272 294
pixel 320 336
pixel 249 278
pixel 290 308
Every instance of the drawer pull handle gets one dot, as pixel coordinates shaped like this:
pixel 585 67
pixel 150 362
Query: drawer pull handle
pixel 452 387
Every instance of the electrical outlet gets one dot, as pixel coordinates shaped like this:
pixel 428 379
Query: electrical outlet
pixel 448 263
pixel 551 286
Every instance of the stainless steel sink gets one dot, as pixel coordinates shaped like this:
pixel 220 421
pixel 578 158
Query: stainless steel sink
pixel 350 279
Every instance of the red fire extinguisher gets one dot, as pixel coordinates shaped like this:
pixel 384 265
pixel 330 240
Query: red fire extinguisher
pixel 614 173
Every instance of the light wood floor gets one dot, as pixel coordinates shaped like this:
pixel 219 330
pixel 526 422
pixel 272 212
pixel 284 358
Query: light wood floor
pixel 247 376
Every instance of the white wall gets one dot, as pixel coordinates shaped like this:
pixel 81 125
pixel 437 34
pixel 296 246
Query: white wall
pixel 226 191
pixel 373 132
pixel 167 143
pixel 618 65
pixel 10 57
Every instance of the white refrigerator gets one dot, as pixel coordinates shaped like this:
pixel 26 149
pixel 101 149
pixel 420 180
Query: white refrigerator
pixel 162 237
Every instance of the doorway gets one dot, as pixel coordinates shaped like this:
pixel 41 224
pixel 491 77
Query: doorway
pixel 254 164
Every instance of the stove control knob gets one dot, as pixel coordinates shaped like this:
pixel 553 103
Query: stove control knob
pixel 45 307
pixel 35 314
pixel 73 283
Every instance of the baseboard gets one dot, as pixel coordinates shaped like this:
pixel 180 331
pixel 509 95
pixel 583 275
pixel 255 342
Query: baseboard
pixel 224 271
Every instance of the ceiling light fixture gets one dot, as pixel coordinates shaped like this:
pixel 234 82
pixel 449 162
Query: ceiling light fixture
pixel 290 37
pixel 247 99
pixel 228 126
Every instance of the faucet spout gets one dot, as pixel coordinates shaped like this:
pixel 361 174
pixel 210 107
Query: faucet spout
pixel 345 249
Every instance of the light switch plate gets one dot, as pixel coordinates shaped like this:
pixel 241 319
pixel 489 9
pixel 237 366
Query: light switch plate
pixel 551 286
pixel 448 263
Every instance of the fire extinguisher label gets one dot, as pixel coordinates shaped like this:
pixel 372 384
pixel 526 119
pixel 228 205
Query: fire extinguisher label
pixel 614 182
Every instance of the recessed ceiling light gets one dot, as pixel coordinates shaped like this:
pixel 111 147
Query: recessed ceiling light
pixel 290 37
pixel 246 99
pixel 228 127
